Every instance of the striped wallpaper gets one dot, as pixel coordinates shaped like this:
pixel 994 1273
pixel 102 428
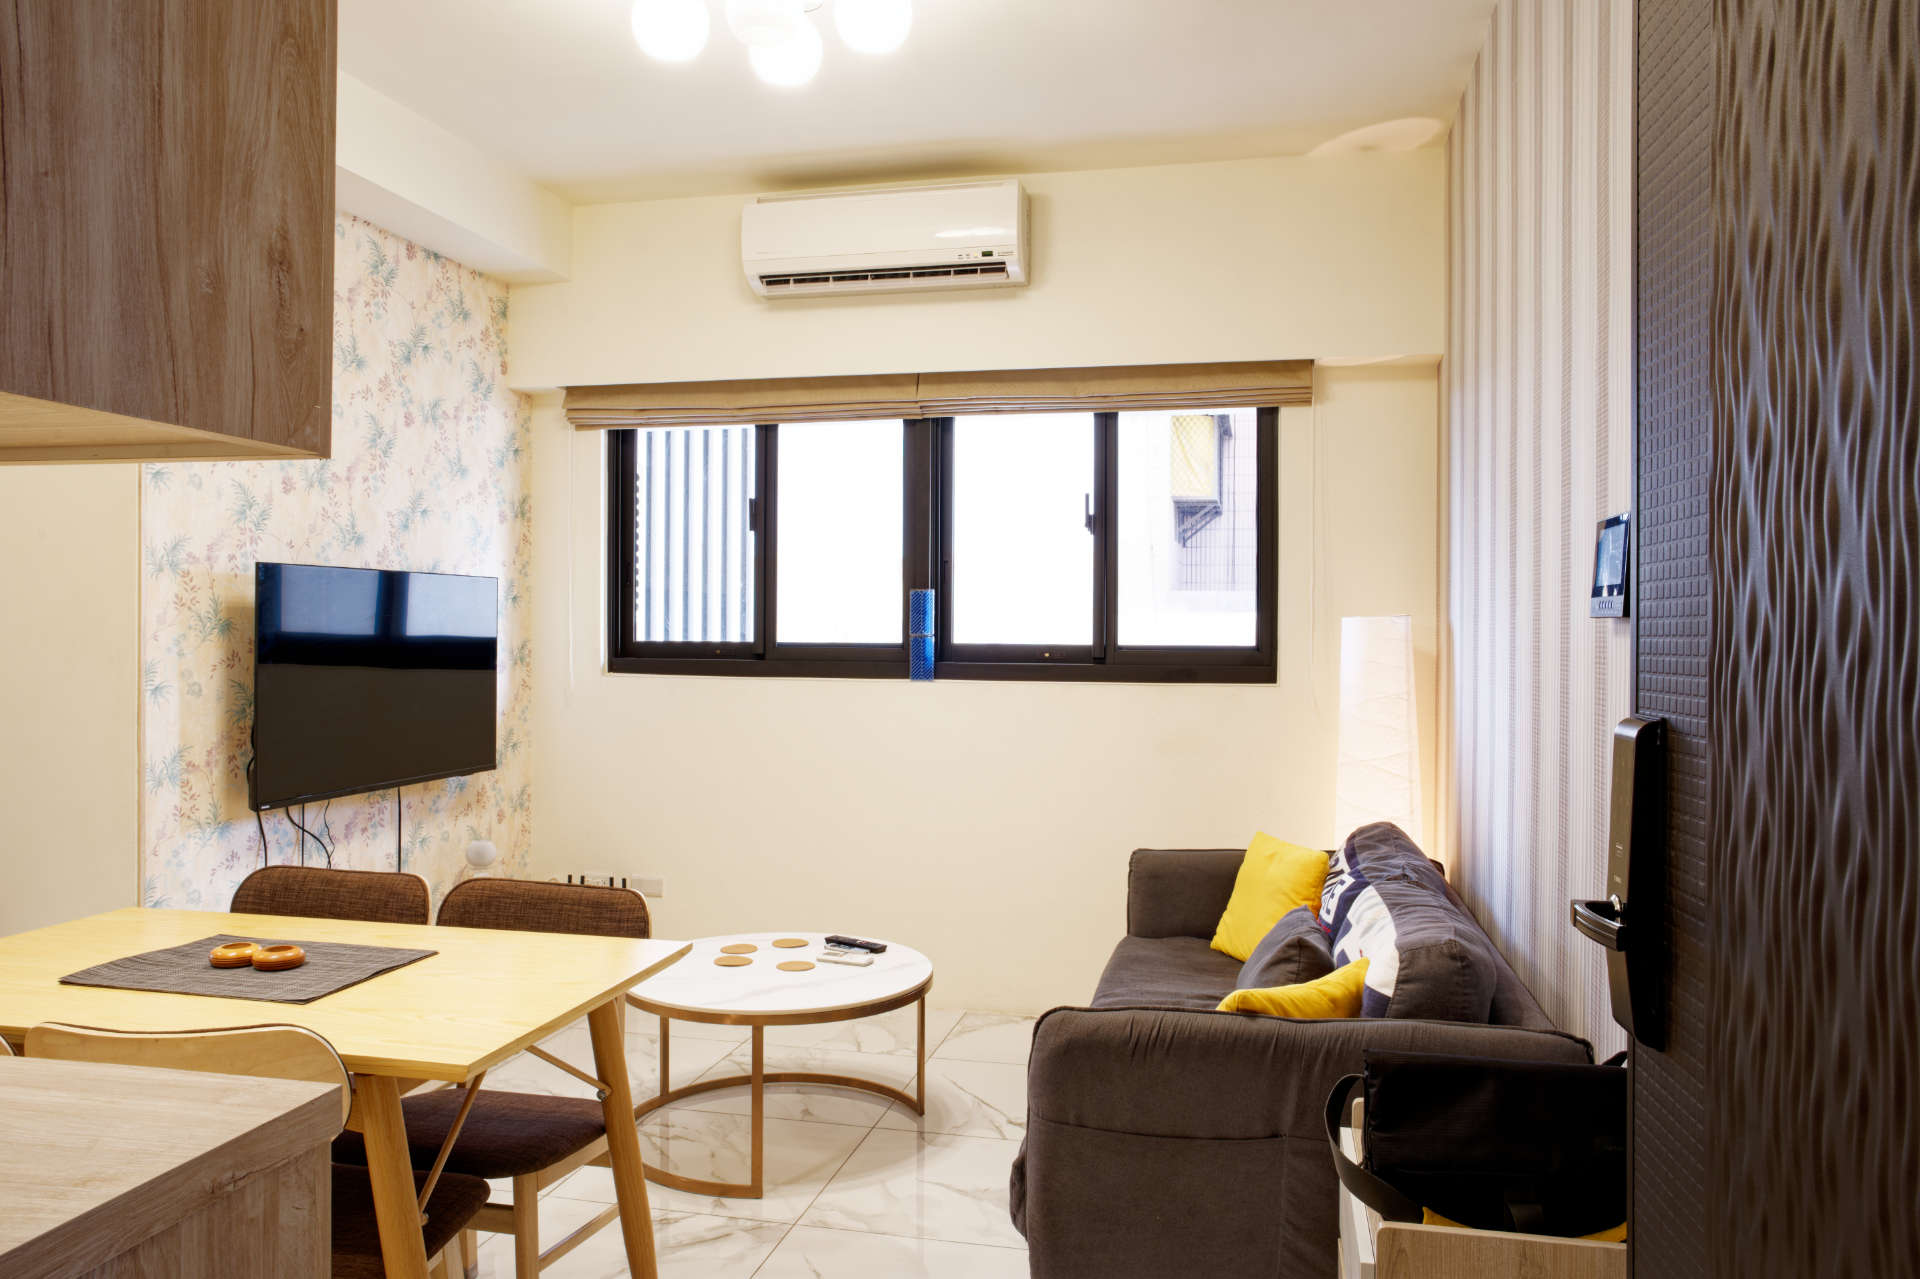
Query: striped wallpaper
pixel 1539 406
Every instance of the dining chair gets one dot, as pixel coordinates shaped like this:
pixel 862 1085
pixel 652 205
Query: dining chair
pixel 282 1052
pixel 318 892
pixel 530 1138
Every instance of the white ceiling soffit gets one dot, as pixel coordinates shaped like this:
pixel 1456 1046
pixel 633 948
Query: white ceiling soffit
pixel 557 90
pixel 401 171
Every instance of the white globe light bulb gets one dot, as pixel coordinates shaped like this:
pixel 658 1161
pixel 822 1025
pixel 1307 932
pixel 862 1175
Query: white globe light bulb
pixel 873 26
pixel 762 24
pixel 790 63
pixel 671 30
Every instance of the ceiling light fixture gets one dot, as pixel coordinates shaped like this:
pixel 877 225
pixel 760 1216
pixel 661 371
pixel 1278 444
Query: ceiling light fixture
pixel 761 24
pixel 873 26
pixel 670 30
pixel 783 45
pixel 792 61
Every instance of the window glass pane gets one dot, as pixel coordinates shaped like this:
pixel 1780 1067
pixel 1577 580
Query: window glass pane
pixel 1187 529
pixel 840 553
pixel 692 549
pixel 1022 555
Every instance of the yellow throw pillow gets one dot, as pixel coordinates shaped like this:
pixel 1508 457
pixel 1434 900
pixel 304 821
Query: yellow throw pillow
pixel 1335 995
pixel 1274 877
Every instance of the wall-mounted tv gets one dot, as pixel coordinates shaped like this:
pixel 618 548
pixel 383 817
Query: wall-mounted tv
pixel 365 679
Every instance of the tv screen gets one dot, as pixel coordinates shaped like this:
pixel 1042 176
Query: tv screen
pixel 364 679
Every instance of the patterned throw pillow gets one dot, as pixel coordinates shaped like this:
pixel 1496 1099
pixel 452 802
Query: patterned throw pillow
pixel 1385 902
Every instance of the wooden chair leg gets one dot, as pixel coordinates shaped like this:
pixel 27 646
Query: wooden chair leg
pixel 470 1254
pixel 526 1227
pixel 437 1268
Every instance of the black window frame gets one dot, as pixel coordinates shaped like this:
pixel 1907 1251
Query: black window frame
pixel 927 515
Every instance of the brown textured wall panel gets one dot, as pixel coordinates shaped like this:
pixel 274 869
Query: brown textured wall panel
pixel 1814 1130
pixel 1673 430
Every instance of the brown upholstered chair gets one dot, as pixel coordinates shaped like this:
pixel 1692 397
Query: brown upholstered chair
pixel 282 1052
pixel 531 906
pixel 377 896
pixel 531 1138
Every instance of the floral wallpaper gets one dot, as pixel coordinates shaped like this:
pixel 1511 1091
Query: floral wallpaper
pixel 430 471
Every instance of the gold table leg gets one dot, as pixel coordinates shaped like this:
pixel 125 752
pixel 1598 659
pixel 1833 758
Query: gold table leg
pixel 757 1079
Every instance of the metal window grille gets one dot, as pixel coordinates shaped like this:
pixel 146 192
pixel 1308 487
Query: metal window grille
pixel 1218 552
pixel 693 541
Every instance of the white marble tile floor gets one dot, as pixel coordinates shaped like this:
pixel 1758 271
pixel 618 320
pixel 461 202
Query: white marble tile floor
pixel 855 1185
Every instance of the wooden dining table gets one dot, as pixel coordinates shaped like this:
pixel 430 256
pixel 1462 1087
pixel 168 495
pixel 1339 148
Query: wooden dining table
pixel 485 995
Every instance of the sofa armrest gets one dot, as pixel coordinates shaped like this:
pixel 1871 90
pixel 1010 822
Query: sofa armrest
pixel 1179 892
pixel 1173 1142
pixel 1231 1076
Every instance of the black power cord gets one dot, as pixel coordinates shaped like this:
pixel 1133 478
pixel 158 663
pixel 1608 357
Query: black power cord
pixel 259 820
pixel 301 827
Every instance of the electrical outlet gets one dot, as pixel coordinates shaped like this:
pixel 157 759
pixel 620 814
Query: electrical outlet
pixel 649 888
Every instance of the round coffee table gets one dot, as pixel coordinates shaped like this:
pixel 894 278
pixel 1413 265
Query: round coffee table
pixel 761 994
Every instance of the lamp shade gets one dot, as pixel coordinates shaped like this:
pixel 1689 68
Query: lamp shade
pixel 1377 778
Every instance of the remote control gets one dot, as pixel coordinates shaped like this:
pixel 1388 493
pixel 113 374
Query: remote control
pixel 855 943
pixel 855 958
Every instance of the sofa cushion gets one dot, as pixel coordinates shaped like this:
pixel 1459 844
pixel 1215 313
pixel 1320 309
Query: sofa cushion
pixel 1429 959
pixel 1294 950
pixel 1162 972
pixel 1335 995
pixel 1274 877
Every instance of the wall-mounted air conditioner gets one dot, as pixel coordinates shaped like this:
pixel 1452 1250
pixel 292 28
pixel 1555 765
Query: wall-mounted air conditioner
pixel 955 235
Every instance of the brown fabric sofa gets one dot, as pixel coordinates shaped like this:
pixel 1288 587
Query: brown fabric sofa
pixel 1165 1139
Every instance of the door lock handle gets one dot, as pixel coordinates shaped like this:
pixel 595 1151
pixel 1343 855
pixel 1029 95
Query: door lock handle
pixel 1601 921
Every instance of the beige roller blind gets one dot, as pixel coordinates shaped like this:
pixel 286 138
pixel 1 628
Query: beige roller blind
pixel 842 399
pixel 1118 387
pixel 800 399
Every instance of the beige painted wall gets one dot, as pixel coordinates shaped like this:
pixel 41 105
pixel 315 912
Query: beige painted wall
pixel 69 692
pixel 986 823
pixel 1251 259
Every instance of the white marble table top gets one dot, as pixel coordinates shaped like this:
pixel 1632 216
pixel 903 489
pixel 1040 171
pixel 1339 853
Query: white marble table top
pixel 697 985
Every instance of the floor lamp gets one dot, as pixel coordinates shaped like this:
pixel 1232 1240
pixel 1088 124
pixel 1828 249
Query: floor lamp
pixel 1377 778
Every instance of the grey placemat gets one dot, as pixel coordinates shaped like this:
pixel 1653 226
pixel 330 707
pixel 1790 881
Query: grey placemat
pixel 184 970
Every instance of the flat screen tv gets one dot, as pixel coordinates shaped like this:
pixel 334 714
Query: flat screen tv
pixel 365 679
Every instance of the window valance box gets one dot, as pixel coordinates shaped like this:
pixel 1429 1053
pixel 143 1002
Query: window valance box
pixel 1109 388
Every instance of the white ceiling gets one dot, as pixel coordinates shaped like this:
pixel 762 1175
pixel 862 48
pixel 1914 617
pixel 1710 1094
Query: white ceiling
pixel 558 90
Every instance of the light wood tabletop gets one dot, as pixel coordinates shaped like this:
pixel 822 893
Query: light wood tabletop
pixel 485 996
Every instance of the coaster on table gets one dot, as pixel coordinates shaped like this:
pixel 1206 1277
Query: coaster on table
pixel 233 954
pixel 795 965
pixel 275 959
pixel 739 948
pixel 790 943
pixel 732 961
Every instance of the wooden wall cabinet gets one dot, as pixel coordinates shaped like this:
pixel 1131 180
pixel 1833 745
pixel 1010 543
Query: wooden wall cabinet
pixel 166 229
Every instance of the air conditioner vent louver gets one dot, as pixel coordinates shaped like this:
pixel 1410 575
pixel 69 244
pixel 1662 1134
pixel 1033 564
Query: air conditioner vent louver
pixel 955 235
pixel 828 281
